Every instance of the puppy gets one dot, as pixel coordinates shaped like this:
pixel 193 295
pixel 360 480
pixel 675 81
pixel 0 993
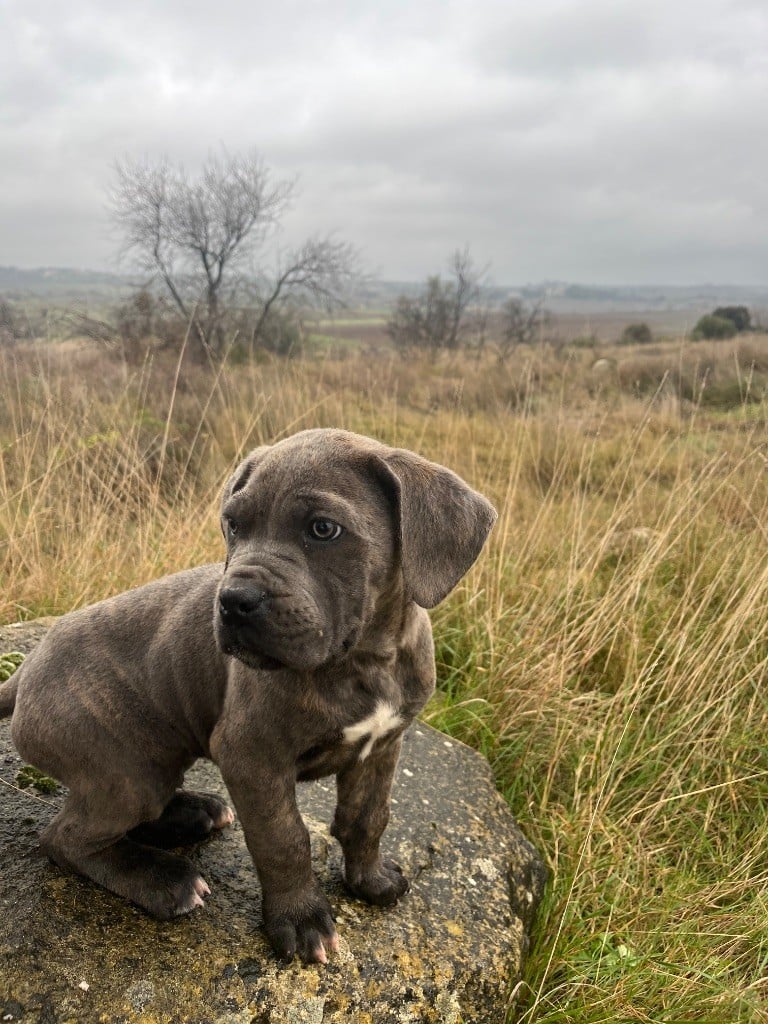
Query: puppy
pixel 308 653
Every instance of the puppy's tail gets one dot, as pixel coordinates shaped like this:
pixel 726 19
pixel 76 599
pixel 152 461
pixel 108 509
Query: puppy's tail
pixel 8 697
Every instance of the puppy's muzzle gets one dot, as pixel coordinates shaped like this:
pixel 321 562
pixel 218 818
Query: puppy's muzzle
pixel 269 628
pixel 242 604
pixel 243 613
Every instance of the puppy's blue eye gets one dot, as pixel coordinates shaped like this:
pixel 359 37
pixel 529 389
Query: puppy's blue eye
pixel 324 529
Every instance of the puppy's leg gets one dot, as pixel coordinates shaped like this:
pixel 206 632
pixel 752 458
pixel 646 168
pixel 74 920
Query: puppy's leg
pixel 187 818
pixel 297 915
pixel 362 813
pixel 88 836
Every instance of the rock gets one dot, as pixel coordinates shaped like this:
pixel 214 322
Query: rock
pixel 450 952
pixel 602 366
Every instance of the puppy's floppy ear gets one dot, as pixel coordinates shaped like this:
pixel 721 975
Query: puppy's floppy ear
pixel 239 478
pixel 443 524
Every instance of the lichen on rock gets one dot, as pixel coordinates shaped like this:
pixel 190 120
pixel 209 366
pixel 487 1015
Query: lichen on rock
pixel 9 662
pixel 450 952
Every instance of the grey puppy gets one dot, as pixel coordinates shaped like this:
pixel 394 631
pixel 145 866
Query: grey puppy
pixel 308 653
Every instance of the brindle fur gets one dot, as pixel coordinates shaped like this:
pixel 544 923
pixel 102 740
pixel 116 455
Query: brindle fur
pixel 260 665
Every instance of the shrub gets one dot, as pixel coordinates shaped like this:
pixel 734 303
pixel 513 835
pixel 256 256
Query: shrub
pixel 585 341
pixel 439 316
pixel 714 327
pixel 522 324
pixel 280 333
pixel 738 315
pixel 636 334
pixel 14 324
pixel 422 322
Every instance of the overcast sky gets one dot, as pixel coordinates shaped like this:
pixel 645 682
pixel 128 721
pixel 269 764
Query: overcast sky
pixel 599 141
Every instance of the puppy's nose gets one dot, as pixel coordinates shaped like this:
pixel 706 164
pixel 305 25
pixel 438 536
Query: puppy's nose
pixel 241 602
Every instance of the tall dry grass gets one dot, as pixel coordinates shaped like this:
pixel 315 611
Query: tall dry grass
pixel 609 653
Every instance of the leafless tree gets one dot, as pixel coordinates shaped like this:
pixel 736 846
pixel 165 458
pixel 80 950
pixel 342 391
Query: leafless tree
pixel 521 324
pixel 466 291
pixel 204 239
pixel 315 274
pixel 439 317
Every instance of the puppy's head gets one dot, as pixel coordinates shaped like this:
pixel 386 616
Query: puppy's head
pixel 325 530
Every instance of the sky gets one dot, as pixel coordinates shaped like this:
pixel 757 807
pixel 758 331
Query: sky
pixel 598 141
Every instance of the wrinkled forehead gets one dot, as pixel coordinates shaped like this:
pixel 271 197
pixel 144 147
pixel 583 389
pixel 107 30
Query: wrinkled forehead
pixel 288 473
pixel 310 470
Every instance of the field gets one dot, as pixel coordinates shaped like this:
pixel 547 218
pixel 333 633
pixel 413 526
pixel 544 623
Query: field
pixel 608 653
pixel 369 330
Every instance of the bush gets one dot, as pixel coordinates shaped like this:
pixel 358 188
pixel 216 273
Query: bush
pixel 521 325
pixel 714 327
pixel 280 333
pixel 585 341
pixel 439 316
pixel 422 322
pixel 636 334
pixel 14 324
pixel 738 315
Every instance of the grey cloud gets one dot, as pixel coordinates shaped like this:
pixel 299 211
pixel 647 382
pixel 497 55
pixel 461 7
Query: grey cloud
pixel 593 141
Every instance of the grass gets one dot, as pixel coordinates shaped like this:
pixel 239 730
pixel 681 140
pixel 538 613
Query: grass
pixel 609 652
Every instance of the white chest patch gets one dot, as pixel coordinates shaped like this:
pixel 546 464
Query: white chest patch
pixel 383 719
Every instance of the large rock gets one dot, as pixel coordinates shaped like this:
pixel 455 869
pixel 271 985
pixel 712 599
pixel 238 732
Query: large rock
pixel 451 951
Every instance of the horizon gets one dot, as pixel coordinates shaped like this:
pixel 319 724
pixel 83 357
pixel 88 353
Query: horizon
pixel 130 277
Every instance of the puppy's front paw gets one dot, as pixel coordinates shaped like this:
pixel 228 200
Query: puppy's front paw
pixel 382 885
pixel 300 923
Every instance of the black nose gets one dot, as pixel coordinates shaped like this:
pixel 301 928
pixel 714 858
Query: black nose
pixel 240 602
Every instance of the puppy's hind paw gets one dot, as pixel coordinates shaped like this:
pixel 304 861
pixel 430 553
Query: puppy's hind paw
pixel 224 818
pixel 161 883
pixel 189 898
pixel 187 819
pixel 173 888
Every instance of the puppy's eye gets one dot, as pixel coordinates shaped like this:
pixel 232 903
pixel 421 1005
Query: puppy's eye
pixel 324 529
pixel 230 526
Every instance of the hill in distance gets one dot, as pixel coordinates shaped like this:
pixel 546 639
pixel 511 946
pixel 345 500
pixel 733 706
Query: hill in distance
pixel 66 284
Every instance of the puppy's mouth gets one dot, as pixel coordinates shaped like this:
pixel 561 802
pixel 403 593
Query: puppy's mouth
pixel 258 649
pixel 267 631
pixel 241 610
pixel 251 657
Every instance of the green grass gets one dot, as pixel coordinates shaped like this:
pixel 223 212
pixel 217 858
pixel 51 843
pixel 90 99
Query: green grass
pixel 374 319
pixel 318 341
pixel 608 653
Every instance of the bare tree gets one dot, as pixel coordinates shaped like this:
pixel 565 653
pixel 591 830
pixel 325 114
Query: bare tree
pixel 466 291
pixel 316 274
pixel 521 324
pixel 439 317
pixel 204 239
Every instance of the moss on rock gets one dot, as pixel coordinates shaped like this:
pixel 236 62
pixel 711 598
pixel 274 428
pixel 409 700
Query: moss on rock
pixel 9 662
pixel 450 952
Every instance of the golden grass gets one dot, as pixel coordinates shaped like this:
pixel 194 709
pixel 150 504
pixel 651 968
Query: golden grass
pixel 609 652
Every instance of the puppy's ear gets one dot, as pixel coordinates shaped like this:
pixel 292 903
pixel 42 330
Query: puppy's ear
pixel 443 524
pixel 239 478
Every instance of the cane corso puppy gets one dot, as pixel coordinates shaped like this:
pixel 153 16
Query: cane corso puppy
pixel 306 654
